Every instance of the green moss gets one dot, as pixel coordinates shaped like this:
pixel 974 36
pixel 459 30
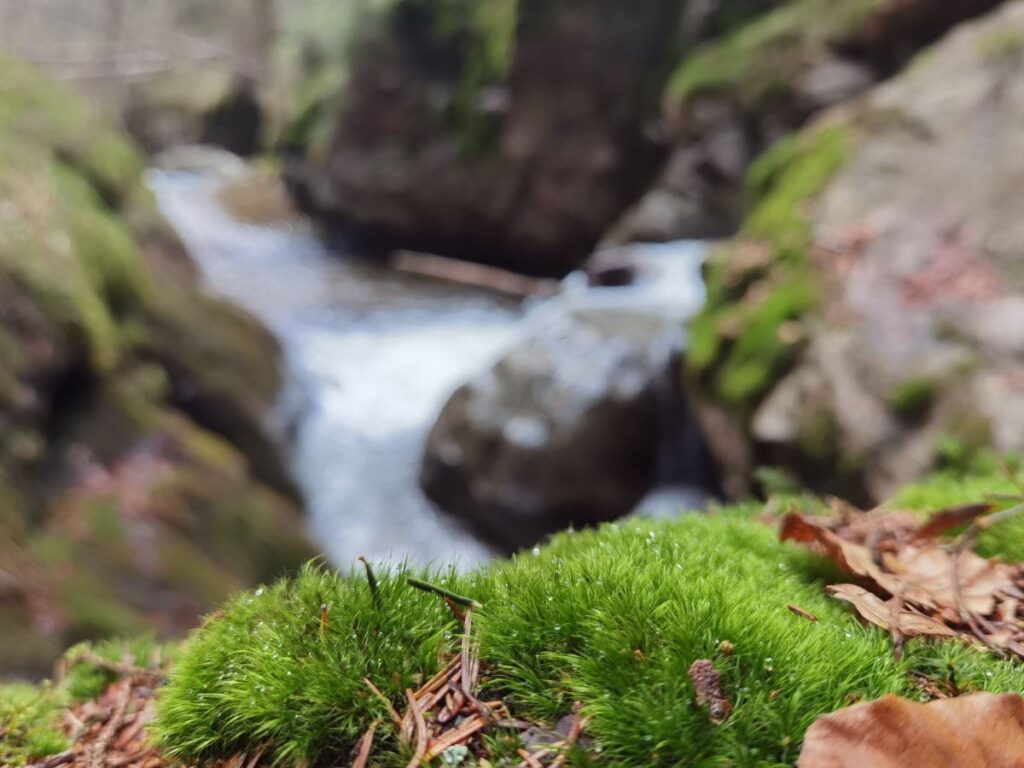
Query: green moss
pixel 612 618
pixel 764 284
pixel 912 398
pixel 30 727
pixel 769 53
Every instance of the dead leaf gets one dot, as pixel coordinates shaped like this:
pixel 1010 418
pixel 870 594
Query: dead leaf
pixel 946 519
pixel 878 612
pixel 982 730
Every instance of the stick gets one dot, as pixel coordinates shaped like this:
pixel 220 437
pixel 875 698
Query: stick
pixel 395 717
pixel 365 745
pixel 421 731
pixel 470 726
pixel 578 724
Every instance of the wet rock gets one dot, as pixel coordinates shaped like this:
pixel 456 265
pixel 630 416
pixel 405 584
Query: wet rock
pixel 522 162
pixel 578 421
pixel 908 247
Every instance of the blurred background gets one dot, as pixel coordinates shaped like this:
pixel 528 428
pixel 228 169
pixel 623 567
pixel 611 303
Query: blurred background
pixel 435 279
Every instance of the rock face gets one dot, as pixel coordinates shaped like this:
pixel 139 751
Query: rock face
pixel 514 138
pixel 737 95
pixel 873 305
pixel 138 486
pixel 209 104
pixel 572 427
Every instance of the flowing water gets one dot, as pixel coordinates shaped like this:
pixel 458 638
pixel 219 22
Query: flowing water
pixel 373 355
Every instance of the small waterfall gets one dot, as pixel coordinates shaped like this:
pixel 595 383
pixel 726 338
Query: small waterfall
pixel 373 355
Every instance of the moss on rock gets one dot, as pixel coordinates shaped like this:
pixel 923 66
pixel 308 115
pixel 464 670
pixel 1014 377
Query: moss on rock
pixel 762 287
pixel 612 618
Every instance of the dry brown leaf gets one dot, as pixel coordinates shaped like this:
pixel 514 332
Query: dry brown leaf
pixel 851 557
pixel 878 612
pixel 982 730
pixel 946 519
pixel 926 578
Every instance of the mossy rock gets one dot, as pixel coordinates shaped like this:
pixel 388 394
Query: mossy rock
pixel 762 288
pixel 132 404
pixel 612 618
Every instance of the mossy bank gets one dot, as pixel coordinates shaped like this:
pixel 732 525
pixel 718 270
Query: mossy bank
pixel 138 485
pixel 611 618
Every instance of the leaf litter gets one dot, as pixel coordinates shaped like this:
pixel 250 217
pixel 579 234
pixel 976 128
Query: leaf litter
pixel 912 581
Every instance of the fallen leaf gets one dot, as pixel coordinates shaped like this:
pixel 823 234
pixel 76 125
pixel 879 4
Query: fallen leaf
pixel 878 612
pixel 982 730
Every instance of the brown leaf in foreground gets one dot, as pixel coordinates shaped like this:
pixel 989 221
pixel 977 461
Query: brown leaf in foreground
pixel 983 730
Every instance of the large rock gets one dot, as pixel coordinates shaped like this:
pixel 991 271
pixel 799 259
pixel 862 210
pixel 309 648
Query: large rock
pixel 209 103
pixel 737 95
pixel 513 137
pixel 138 484
pixel 574 425
pixel 872 307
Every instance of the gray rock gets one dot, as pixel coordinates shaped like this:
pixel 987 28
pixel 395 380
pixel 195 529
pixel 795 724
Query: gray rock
pixel 566 429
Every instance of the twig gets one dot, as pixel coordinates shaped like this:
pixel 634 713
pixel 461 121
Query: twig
pixel 470 726
pixel 426 586
pixel 365 745
pixel 371 578
pixel 529 760
pixel 796 610
pixel 59 759
pixel 118 668
pixel 966 539
pixel 578 724
pixel 421 731
pixel 97 750
pixel 395 717
pixel 467 662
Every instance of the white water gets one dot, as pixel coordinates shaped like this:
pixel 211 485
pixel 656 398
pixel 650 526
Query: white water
pixel 373 356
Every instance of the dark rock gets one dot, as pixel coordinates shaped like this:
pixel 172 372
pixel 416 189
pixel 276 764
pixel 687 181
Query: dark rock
pixel 530 171
pixel 567 429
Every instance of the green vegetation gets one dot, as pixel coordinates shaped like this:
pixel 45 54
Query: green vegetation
pixel 612 618
pixel 29 723
pixel 761 288
pixel 765 56
pixel 912 398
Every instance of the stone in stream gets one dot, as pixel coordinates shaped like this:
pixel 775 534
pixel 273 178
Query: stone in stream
pixel 571 427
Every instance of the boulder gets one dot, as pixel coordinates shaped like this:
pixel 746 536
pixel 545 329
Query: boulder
pixel 513 137
pixel 138 483
pixel 575 424
pixel 738 94
pixel 196 104
pixel 870 310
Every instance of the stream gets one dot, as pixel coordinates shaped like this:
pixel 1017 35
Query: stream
pixel 372 357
